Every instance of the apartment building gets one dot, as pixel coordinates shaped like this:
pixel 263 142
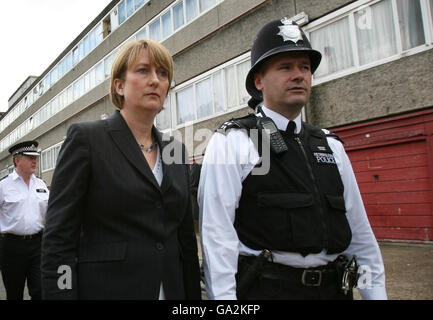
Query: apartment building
pixel 373 88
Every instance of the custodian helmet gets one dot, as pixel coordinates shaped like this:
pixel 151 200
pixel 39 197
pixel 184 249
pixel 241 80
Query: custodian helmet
pixel 276 37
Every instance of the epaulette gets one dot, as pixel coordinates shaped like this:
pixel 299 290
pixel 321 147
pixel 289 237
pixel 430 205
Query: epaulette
pixel 316 131
pixel 334 136
pixel 247 122
pixel 4 177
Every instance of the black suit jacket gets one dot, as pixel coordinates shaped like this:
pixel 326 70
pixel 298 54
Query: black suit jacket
pixel 117 231
pixel 194 180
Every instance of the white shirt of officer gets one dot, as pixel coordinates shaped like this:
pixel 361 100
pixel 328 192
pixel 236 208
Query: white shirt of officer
pixel 22 207
pixel 219 192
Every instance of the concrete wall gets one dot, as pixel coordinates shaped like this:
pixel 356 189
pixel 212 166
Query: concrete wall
pixel 395 87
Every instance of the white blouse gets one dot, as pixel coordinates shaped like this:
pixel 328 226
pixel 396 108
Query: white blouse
pixel 157 172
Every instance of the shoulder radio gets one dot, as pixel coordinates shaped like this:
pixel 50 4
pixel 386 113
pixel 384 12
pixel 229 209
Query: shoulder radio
pixel 268 128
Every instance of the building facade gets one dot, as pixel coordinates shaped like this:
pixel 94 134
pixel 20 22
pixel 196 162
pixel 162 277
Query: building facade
pixel 373 88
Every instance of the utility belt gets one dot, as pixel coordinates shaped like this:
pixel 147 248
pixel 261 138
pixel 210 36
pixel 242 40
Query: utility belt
pixel 21 237
pixel 342 271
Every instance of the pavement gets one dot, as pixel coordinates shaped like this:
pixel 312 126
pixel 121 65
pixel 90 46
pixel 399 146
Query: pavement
pixel 408 271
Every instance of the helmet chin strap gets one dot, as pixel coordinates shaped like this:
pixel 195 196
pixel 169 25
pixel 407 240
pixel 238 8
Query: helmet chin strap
pixel 259 109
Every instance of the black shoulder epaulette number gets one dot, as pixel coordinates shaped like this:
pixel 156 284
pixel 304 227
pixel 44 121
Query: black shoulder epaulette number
pixel 316 131
pixel 247 122
pixel 334 136
pixel 4 177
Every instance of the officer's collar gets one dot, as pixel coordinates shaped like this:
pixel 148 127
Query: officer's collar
pixel 281 121
pixel 15 175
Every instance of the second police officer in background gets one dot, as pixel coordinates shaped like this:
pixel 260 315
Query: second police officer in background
pixel 304 213
pixel 23 205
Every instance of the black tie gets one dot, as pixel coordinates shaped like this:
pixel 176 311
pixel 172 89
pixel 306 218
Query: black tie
pixel 291 126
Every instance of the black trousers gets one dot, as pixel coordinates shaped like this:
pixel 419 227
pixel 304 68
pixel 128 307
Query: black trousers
pixel 21 262
pixel 279 282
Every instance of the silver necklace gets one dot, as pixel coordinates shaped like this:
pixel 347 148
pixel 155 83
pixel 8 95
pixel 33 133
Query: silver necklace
pixel 149 148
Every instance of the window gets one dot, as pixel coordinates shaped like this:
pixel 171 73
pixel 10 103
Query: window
pixel 80 51
pixel 53 76
pixel 138 3
pixel 47 82
pixel 333 41
pixel 70 95
pixel 155 31
pixel 376 40
pixel 62 101
pixel 242 71
pixel 29 98
pixel 106 26
pixel 178 16
pixel 204 98
pixel 41 88
pixel 78 88
pixel 410 21
pixel 167 28
pixel 86 82
pixel 431 10
pixel 129 7
pixel 114 19
pixel 86 46
pixel 142 34
pixel 374 33
pixel 92 41
pixel 99 34
pixel 185 105
pixel 191 9
pixel 31 123
pixel 43 113
pixel 218 91
pixel 75 55
pixel 54 105
pixel 206 4
pixel 49 157
pixel 122 12
pixel 108 61
pixel 68 62
pixel 163 119
pixel 60 68
pixel 232 99
pixel 45 163
pixel 92 75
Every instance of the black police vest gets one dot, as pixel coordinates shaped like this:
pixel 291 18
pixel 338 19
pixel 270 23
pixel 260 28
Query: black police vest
pixel 298 206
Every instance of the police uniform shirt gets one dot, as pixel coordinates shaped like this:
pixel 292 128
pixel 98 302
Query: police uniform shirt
pixel 229 159
pixel 22 207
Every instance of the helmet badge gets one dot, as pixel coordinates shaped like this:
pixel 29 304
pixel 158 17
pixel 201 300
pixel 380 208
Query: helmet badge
pixel 289 31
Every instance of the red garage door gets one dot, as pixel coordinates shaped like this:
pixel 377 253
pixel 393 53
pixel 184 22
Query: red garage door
pixel 393 163
pixel 397 190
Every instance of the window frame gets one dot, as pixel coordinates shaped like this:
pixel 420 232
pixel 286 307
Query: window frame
pixel 52 157
pixel 350 10
pixel 209 74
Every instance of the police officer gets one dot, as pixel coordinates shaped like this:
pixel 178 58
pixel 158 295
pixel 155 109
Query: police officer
pixel 304 215
pixel 23 204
